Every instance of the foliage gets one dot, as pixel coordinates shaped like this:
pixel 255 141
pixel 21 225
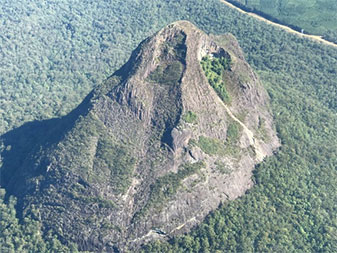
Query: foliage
pixel 170 68
pixel 292 207
pixel 169 74
pixel 331 35
pixel 214 68
pixel 262 131
pixel 25 236
pixel 167 186
pixel 55 52
pixel 101 202
pixel 233 132
pixel 118 160
pixel 190 117
pixel 223 167
pixel 314 16
pixel 175 47
pixel 211 146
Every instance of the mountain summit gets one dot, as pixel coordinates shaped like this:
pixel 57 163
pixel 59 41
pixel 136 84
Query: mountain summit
pixel 150 152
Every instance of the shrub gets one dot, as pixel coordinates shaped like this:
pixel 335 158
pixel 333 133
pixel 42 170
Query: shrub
pixel 190 117
pixel 214 68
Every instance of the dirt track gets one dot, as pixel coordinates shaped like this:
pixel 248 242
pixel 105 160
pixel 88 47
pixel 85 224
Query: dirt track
pixel 286 28
pixel 260 154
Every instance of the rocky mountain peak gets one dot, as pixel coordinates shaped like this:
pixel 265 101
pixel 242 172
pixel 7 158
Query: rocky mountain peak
pixel 150 152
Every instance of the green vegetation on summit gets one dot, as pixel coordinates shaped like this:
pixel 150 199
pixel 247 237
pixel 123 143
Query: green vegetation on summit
pixel 215 68
pixel 170 72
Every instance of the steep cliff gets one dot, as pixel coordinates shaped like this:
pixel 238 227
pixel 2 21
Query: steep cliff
pixel 150 152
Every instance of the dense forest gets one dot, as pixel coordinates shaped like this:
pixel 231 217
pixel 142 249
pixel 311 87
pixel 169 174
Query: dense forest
pixel 53 53
pixel 313 16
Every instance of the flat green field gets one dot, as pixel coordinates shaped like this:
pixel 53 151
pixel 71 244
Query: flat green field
pixel 314 16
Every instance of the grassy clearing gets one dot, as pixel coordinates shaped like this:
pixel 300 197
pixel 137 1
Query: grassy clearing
pixel 313 16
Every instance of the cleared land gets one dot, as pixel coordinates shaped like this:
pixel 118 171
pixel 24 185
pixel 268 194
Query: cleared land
pixel 314 16
pixel 284 27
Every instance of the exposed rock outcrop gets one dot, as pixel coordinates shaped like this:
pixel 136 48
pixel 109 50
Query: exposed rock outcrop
pixel 153 150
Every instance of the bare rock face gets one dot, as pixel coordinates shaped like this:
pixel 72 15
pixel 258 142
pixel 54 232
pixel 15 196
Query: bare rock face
pixel 154 149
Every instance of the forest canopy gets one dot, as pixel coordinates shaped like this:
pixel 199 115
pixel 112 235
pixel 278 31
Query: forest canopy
pixel 309 16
